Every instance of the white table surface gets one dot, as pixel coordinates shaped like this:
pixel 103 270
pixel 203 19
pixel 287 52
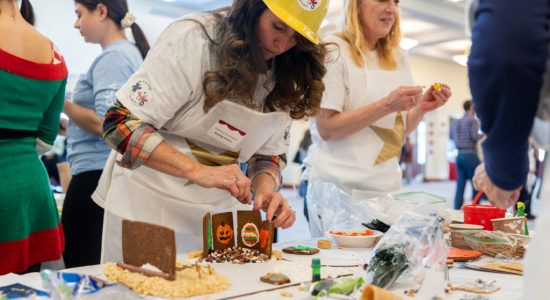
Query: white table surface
pixel 245 278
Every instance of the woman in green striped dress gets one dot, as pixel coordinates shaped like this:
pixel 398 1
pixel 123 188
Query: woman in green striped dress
pixel 32 89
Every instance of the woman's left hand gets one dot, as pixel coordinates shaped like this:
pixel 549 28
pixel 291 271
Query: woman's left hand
pixel 276 207
pixel 433 99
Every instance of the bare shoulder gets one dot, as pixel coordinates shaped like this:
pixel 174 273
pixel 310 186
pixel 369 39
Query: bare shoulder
pixel 24 41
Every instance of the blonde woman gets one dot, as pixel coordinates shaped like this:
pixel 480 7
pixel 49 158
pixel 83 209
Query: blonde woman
pixel 370 104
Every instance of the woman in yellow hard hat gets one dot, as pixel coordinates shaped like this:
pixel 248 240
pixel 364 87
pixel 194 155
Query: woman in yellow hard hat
pixel 369 106
pixel 217 89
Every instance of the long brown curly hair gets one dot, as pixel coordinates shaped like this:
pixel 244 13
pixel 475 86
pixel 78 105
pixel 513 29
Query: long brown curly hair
pixel 298 73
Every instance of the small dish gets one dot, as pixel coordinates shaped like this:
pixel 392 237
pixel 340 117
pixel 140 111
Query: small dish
pixel 350 238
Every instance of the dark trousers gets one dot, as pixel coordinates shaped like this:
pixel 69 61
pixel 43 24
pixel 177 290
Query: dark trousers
pixel 466 163
pixel 82 221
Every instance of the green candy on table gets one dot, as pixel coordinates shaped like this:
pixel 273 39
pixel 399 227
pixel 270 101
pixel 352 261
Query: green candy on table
pixel 521 213
pixel 302 248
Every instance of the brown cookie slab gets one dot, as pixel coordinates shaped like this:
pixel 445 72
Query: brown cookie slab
pixel 266 237
pixel 249 224
pixel 275 278
pixel 301 250
pixel 145 243
pixel 223 233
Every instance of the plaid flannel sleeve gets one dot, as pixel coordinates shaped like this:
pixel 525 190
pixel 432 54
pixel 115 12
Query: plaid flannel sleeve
pixel 129 136
pixel 271 165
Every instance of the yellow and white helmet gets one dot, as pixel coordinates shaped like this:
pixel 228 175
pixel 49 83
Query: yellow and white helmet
pixel 304 16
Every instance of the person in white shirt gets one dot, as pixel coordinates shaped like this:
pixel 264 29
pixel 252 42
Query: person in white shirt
pixel 216 89
pixel 369 106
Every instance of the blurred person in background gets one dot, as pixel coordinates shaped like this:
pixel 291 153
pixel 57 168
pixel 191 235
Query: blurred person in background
pixel 465 134
pixel 103 23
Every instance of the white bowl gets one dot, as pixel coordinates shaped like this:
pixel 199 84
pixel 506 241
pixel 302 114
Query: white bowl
pixel 345 239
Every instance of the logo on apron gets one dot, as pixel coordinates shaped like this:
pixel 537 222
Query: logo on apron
pixel 140 92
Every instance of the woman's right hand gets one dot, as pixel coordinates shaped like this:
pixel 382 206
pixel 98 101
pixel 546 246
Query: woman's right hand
pixel 403 98
pixel 228 177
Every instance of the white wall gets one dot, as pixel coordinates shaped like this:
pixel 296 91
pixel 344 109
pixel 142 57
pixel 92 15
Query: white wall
pixel 56 18
pixel 429 70
pixel 426 71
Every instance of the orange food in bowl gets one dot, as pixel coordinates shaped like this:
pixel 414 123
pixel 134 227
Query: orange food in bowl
pixel 367 232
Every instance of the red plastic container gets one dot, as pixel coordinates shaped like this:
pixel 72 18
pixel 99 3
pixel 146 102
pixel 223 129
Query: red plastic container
pixel 482 214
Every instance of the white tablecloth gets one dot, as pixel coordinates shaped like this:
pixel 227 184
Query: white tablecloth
pixel 245 278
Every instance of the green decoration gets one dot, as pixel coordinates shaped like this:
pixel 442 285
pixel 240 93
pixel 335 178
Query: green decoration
pixel 210 247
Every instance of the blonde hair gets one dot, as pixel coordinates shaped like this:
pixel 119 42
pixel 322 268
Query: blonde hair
pixel 354 34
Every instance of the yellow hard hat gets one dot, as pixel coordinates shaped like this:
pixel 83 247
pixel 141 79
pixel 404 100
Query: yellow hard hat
pixel 304 16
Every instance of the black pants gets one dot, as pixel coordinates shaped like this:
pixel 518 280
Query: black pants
pixel 82 221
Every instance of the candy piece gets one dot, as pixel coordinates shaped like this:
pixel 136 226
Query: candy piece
pixel 437 86
pixel 275 278
pixel 324 244
pixel 301 250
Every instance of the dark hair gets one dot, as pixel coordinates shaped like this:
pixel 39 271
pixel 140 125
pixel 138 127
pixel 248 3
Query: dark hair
pixel 117 9
pixel 27 12
pixel 467 105
pixel 298 72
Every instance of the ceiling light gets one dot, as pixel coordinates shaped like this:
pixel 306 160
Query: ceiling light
pixel 456 45
pixel 411 26
pixel 407 43
pixel 461 59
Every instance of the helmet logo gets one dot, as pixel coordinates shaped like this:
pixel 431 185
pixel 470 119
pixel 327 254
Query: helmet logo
pixel 310 4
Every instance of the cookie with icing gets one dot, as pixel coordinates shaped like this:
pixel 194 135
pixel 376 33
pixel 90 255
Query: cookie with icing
pixel 301 250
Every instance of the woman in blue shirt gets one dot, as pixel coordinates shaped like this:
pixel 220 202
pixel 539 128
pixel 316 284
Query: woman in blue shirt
pixel 99 22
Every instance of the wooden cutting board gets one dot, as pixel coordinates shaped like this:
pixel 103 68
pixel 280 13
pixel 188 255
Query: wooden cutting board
pixel 506 268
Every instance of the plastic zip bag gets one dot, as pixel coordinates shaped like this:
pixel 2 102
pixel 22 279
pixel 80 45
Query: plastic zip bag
pixel 413 246
pixel 72 286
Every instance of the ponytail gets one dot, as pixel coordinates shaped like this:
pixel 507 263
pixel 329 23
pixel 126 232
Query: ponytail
pixel 118 12
pixel 27 12
pixel 140 40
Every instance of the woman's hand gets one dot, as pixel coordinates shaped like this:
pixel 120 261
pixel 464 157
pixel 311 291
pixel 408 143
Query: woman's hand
pixel 497 196
pixel 403 98
pixel 228 177
pixel 433 99
pixel 276 207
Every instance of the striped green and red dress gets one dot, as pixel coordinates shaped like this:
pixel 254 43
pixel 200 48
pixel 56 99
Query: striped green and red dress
pixel 31 100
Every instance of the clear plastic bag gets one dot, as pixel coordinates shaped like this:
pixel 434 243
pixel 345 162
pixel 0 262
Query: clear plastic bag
pixel 388 209
pixel 413 246
pixel 331 208
pixel 72 286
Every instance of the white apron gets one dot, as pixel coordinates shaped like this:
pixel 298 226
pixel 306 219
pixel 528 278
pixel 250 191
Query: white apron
pixel 360 166
pixel 227 133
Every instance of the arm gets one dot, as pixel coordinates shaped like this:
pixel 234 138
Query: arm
pixel 85 118
pixel 336 125
pixel 506 67
pixel 140 144
pixel 474 131
pixel 265 173
pixel 49 126
pixel 429 101
pixel 107 74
